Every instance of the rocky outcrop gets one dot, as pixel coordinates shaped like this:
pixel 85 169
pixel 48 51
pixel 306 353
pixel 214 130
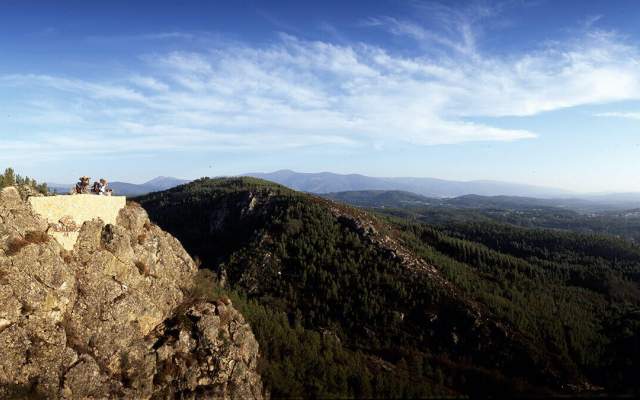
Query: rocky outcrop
pixel 112 318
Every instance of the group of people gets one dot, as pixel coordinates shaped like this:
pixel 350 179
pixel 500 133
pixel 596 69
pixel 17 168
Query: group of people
pixel 98 187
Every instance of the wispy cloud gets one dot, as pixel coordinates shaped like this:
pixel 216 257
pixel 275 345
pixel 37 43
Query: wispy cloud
pixel 626 115
pixel 464 43
pixel 440 28
pixel 295 93
pixel 150 83
pixel 144 37
pixel 590 21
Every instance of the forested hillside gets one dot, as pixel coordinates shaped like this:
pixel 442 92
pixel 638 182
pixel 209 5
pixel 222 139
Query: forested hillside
pixel 575 215
pixel 345 303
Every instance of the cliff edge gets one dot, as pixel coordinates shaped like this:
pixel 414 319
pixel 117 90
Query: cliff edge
pixel 112 317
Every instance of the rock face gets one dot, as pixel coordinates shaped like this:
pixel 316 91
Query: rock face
pixel 112 318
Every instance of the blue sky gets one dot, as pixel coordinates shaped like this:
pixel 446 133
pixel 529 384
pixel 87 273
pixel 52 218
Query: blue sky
pixel 540 92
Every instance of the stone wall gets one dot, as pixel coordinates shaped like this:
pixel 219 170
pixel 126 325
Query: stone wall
pixel 66 214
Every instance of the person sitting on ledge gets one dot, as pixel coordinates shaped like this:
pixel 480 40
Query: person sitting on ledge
pixel 104 191
pixel 95 189
pixel 82 187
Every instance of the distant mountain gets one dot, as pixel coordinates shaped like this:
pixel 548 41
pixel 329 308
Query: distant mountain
pixel 165 182
pixel 579 204
pixel 623 200
pixel 397 198
pixel 381 198
pixel 326 182
pixel 131 189
pixel 586 215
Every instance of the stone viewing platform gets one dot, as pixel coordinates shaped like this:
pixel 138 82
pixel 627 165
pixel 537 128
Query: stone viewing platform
pixel 66 214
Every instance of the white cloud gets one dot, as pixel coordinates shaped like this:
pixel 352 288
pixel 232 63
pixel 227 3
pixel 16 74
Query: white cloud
pixel 76 86
pixel 296 93
pixel 626 115
pixel 143 37
pixel 150 83
pixel 463 42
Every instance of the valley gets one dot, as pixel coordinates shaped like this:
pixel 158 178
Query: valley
pixel 576 215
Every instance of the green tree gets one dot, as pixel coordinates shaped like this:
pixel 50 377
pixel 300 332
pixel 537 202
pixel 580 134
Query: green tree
pixel 9 178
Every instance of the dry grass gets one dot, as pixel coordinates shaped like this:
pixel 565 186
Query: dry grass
pixel 224 300
pixel 15 245
pixel 37 237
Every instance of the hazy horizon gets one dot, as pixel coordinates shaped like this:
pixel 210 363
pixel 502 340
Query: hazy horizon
pixel 250 173
pixel 531 92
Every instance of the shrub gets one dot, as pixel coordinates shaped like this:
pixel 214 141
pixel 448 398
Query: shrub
pixel 15 245
pixel 36 237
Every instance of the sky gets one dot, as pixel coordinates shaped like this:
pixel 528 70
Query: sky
pixel 530 91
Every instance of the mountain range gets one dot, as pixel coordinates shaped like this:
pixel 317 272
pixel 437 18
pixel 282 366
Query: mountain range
pixel 131 189
pixel 325 182
pixel 577 215
pixel 398 198
pixel 433 188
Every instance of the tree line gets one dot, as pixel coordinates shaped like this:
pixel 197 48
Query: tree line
pixel 11 178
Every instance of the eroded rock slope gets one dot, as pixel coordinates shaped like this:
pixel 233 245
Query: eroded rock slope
pixel 112 318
